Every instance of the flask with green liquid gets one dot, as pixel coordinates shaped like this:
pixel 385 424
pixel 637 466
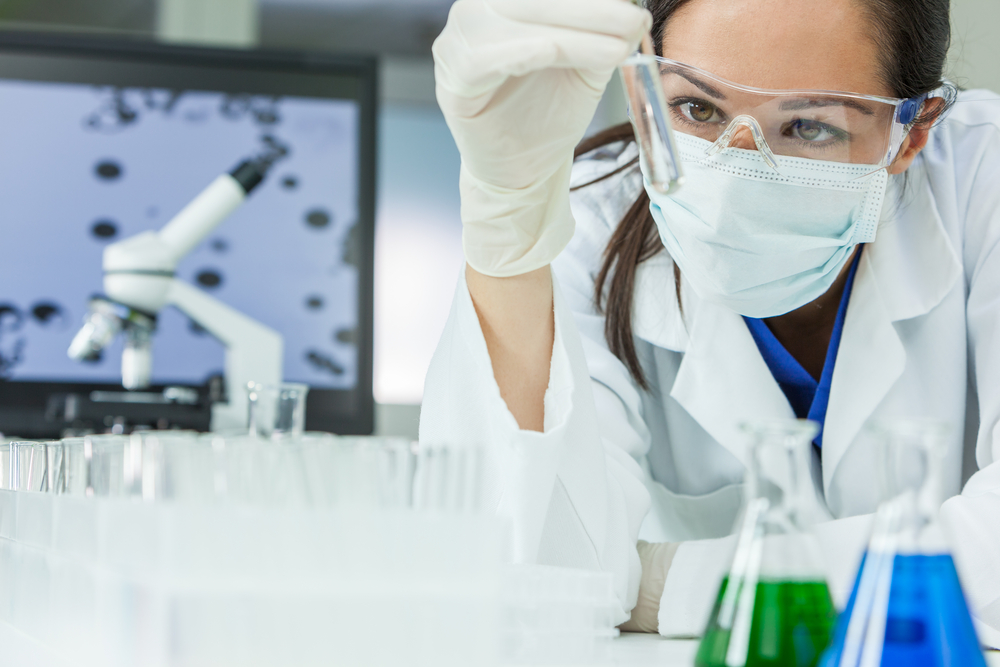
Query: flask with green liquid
pixel 774 607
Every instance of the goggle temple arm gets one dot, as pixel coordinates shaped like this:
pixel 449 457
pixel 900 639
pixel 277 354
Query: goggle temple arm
pixel 906 114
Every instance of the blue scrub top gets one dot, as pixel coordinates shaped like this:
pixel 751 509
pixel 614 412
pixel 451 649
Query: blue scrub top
pixel 807 397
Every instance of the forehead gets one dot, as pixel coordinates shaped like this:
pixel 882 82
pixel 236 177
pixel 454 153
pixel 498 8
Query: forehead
pixel 778 44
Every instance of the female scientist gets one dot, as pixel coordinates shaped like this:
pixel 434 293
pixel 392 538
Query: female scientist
pixel 833 256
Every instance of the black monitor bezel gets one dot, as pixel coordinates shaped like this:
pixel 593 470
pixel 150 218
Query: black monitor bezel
pixel 135 62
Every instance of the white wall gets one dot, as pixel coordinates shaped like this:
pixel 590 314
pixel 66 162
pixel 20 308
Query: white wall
pixel 974 60
pixel 418 231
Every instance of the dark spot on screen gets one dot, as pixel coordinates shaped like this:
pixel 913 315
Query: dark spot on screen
pixel 220 245
pixel 314 302
pixel 209 278
pixel 346 336
pixel 318 218
pixel 352 247
pixel 104 229
pixel 47 312
pixel 94 357
pixel 324 362
pixel 290 182
pixel 266 116
pixel 11 317
pixel 108 170
pixel 11 354
pixel 196 328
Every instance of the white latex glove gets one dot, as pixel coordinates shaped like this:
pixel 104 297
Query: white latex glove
pixel 518 82
pixel 656 560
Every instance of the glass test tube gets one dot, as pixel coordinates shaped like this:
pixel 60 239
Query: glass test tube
pixel 647 109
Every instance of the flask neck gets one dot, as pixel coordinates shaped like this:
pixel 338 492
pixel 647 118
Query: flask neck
pixel 780 477
pixel 912 481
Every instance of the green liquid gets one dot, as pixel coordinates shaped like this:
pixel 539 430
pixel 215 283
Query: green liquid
pixel 792 624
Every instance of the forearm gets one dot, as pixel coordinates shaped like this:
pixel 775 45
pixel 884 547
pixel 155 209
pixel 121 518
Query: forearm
pixel 516 318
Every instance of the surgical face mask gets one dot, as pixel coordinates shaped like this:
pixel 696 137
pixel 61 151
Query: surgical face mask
pixel 761 241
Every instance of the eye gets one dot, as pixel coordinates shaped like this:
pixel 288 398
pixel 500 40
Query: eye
pixel 812 131
pixel 700 111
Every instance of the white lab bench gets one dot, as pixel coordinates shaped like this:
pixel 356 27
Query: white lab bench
pixel 629 650
pixel 643 650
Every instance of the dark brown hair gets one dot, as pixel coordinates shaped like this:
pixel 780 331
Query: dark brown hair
pixel 916 35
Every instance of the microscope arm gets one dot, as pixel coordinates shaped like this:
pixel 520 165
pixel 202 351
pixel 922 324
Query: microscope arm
pixel 253 351
pixel 159 251
pixel 206 211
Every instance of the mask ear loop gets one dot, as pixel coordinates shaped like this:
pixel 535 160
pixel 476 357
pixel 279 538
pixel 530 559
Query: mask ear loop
pixel 750 123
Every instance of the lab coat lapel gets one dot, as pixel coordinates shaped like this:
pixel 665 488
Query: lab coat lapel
pixel 723 381
pixel 655 315
pixel 907 271
pixel 870 360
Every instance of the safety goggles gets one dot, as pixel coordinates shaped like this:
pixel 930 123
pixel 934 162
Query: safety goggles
pixel 814 124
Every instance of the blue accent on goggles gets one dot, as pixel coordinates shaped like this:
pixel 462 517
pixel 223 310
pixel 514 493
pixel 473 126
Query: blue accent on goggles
pixel 909 108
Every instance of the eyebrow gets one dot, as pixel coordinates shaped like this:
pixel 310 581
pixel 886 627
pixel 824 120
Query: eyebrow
pixel 701 85
pixel 815 102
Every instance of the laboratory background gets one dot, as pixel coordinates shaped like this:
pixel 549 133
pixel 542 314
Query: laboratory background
pixel 418 231
pixel 297 183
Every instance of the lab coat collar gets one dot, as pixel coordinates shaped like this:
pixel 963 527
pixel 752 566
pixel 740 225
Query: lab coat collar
pixel 723 380
pixel 912 258
pixel 907 271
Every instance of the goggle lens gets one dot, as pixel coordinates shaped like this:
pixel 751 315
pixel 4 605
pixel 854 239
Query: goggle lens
pixel 819 125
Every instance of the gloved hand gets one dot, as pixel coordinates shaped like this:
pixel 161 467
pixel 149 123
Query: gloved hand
pixel 656 560
pixel 518 82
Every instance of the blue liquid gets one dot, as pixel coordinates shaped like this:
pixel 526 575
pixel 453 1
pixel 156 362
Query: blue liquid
pixel 928 622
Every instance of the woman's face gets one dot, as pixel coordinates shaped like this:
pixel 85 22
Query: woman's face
pixel 791 45
pixel 778 44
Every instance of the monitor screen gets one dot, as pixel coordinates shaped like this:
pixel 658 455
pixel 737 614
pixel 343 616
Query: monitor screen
pixel 101 143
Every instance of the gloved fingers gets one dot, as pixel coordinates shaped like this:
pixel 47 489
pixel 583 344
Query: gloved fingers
pixel 558 47
pixel 616 18
pixel 480 47
pixel 469 71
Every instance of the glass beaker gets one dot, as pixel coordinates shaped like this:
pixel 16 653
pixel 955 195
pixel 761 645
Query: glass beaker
pixel 276 411
pixel 30 466
pixel 647 109
pixel 907 605
pixel 774 606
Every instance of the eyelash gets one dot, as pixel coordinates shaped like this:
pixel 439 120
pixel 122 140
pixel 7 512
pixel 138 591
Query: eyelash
pixel 677 102
pixel 839 136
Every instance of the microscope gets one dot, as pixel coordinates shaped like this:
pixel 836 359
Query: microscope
pixel 140 280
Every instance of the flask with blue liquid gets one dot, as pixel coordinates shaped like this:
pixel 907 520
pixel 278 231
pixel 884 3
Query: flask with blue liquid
pixel 907 607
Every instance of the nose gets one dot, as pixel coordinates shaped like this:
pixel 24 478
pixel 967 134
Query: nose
pixel 743 138
pixel 745 132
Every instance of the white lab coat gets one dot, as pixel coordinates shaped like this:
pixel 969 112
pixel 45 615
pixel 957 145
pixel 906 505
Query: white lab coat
pixel 921 339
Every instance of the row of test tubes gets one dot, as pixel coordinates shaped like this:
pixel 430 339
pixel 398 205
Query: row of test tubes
pixel 312 470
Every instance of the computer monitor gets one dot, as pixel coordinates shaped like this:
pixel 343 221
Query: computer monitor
pixel 101 140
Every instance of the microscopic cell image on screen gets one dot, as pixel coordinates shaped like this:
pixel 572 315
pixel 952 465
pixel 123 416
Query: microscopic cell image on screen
pixel 84 167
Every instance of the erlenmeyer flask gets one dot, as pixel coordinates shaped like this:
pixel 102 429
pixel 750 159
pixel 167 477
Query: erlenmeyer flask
pixel 907 606
pixel 774 607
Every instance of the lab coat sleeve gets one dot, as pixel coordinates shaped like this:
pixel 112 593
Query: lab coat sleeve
pixel 573 496
pixel 972 518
